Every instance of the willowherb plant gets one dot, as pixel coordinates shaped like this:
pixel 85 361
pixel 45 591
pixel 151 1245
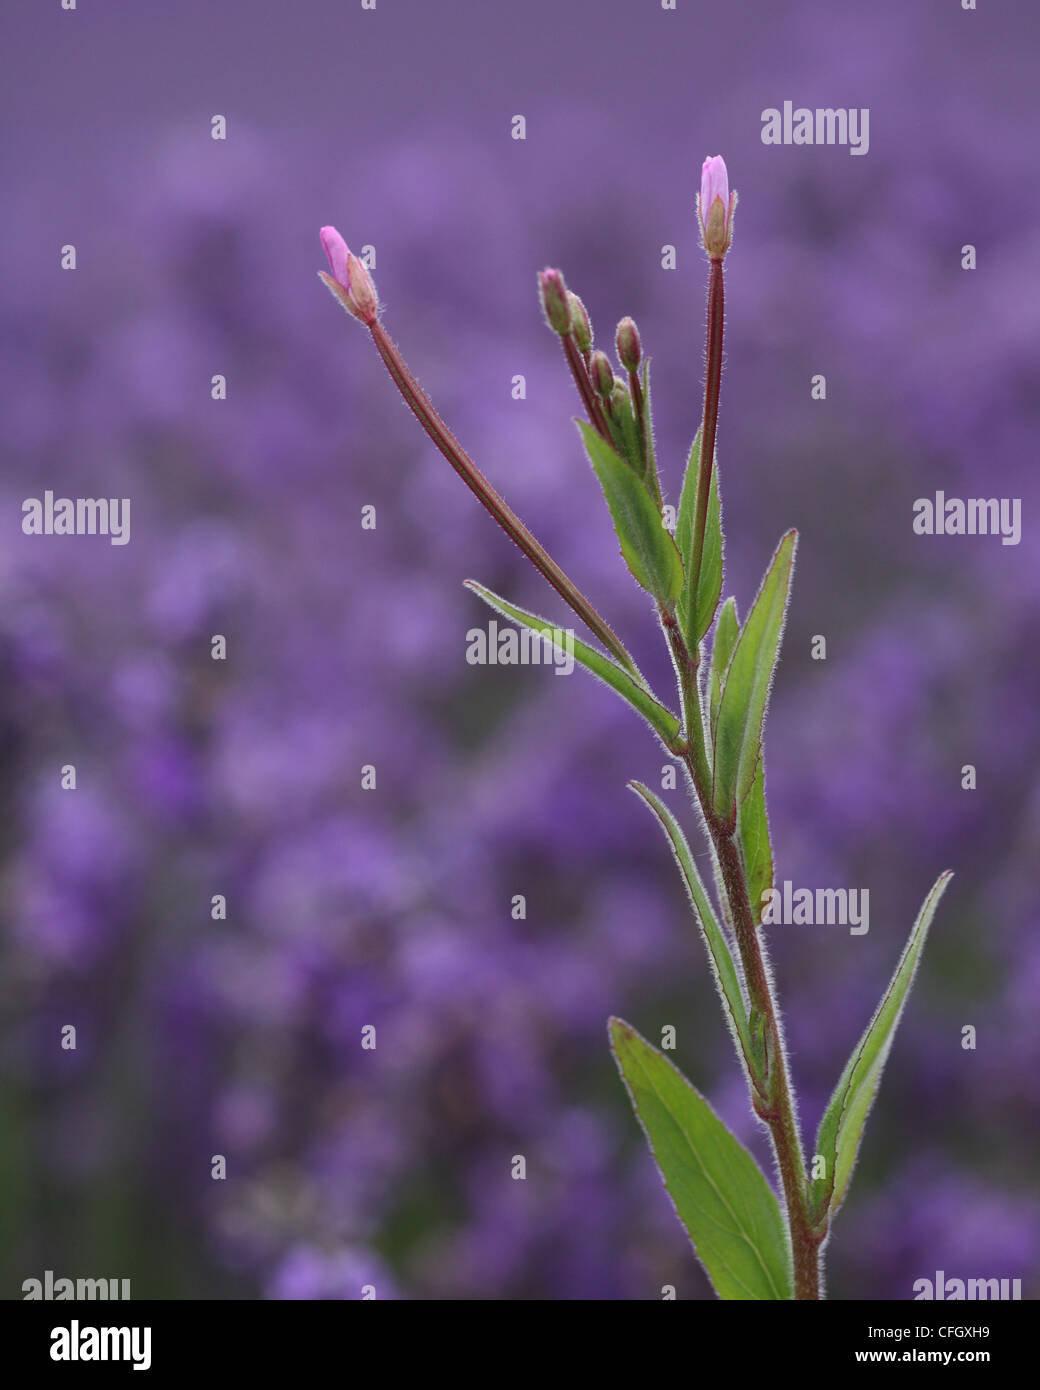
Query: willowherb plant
pixel 750 1245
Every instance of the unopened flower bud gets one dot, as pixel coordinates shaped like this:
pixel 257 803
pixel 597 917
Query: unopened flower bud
pixel 715 207
pixel 601 373
pixel 555 301
pixel 629 348
pixel 619 396
pixel 581 328
pixel 350 281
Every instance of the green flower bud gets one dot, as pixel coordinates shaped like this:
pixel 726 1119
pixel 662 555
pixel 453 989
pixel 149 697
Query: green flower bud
pixel 581 328
pixel 555 301
pixel 601 373
pixel 629 348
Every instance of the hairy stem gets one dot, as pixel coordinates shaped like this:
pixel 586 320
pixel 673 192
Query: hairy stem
pixel 779 1113
pixel 579 371
pixel 424 411
pixel 773 1097
pixel 709 423
pixel 771 1087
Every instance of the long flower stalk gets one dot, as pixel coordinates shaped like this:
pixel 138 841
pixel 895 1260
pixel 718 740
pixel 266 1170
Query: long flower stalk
pixel 731 1213
pixel 351 285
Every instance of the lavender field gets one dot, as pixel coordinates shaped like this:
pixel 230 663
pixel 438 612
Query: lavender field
pixel 237 783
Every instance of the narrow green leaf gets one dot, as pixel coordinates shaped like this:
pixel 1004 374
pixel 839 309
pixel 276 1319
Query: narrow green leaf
pixel 700 598
pixel 727 630
pixel 661 720
pixel 841 1128
pixel 648 549
pixel 742 708
pixel 753 825
pixel 723 967
pixel 629 436
pixel 719 1191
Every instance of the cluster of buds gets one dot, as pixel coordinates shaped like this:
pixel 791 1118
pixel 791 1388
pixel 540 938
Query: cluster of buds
pixel 615 407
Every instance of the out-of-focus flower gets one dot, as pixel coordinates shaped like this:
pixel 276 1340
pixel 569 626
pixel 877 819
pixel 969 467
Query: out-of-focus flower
pixel 347 908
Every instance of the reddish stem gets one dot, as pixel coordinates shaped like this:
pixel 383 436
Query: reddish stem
pixel 423 409
pixel 712 383
pixel 581 380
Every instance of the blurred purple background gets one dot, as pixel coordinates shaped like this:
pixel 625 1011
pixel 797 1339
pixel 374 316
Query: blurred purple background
pixel 346 647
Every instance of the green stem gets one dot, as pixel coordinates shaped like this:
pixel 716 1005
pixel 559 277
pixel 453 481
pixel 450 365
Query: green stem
pixel 779 1112
pixel 686 664
pixel 772 1095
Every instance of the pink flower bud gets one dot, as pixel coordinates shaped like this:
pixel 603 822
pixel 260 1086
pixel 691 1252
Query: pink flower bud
pixel 337 251
pixel 554 301
pixel 350 281
pixel 715 207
